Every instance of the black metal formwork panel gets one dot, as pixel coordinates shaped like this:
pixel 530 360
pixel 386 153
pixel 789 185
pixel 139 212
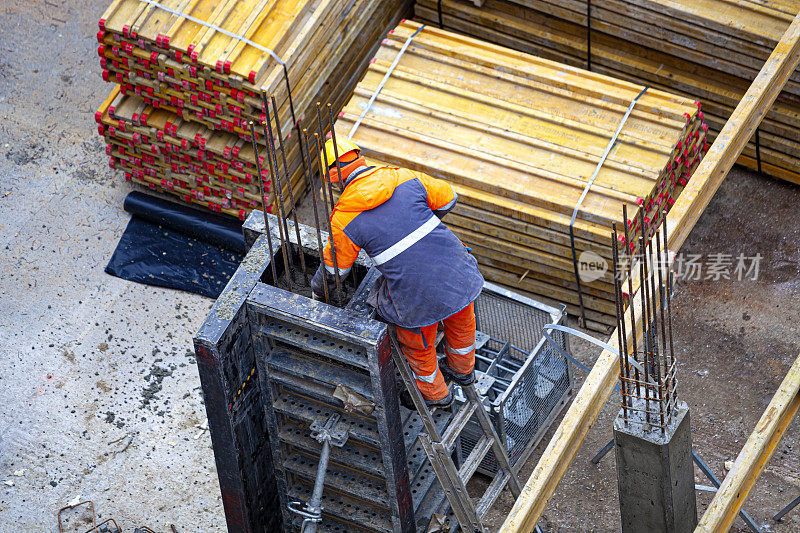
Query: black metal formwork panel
pixel 381 479
pixel 228 376
pixel 231 386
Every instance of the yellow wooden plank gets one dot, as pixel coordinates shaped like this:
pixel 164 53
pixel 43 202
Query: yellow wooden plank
pixel 754 456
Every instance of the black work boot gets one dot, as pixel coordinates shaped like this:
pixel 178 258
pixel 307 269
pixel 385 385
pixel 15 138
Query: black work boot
pixel 408 403
pixel 444 403
pixel 457 377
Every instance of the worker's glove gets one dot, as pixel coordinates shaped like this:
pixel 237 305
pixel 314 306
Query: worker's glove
pixel 318 286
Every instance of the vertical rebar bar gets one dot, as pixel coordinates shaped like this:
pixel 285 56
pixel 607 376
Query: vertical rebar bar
pixel 629 251
pixel 335 147
pixel 291 192
pixel 663 302
pixel 669 305
pixel 325 176
pixel 622 341
pixel 656 354
pixel 645 328
pixel 316 212
pixel 264 201
pixel 273 163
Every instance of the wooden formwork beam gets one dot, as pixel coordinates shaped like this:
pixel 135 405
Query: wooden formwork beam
pixel 755 455
pixel 598 386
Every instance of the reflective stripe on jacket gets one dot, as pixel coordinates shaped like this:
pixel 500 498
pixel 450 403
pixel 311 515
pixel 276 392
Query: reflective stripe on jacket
pixel 394 215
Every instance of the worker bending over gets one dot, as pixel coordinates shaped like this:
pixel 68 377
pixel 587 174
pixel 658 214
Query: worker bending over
pixel 428 276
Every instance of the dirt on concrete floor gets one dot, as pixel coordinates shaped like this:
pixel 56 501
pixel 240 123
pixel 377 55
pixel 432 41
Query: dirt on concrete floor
pixel 99 393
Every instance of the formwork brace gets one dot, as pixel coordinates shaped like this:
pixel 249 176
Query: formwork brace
pixel 687 210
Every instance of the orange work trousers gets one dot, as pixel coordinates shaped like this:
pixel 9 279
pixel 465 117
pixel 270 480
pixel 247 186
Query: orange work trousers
pixel 420 351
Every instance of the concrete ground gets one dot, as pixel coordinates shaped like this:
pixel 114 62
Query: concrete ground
pixel 99 393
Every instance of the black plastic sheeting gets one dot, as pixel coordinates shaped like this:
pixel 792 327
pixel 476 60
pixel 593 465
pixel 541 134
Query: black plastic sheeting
pixel 172 245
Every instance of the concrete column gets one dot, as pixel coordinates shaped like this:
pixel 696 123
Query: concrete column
pixel 655 474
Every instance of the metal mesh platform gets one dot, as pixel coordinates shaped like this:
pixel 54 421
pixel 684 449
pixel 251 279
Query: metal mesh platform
pixel 530 382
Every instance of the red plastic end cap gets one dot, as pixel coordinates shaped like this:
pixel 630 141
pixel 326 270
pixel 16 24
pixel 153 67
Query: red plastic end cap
pixel 698 104
pixel 101 50
pixel 227 67
pixel 194 55
pixel 154 57
pixel 105 74
pixel 235 151
pixel 165 41
pixel 190 49
pixel 640 201
pixel 98 116
pixel 219 66
pixel 252 76
pixel 112 162
pixel 101 130
pixel 241 214
pixel 688 117
pixel 178 55
pixel 109 149
pixel 269 209
pixel 102 24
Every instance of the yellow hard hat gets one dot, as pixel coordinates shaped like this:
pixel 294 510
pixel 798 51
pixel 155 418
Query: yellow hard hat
pixel 343 146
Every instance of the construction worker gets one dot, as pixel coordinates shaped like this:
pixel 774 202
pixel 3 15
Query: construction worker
pixel 429 277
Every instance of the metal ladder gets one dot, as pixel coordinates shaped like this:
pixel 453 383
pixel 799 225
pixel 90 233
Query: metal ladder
pixel 439 447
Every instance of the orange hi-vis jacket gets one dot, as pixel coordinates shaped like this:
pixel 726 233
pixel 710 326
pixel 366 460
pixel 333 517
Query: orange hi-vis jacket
pixel 394 214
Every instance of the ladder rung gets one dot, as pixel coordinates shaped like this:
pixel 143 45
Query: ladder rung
pixel 474 458
pixel 492 492
pixel 457 425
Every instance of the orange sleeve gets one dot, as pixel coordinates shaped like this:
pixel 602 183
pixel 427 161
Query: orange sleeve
pixel 441 196
pixel 346 250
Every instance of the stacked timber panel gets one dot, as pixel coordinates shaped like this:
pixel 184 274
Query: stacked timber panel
pixel 519 137
pixel 708 50
pixel 201 67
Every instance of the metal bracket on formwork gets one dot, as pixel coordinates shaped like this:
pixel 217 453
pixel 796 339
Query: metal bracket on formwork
pixel 352 400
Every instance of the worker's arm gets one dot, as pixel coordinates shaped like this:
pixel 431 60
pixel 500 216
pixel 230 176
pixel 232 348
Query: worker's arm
pixel 441 196
pixel 346 254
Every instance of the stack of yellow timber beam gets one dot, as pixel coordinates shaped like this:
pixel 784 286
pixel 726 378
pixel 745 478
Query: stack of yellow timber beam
pixel 708 50
pixel 202 66
pixel 519 138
